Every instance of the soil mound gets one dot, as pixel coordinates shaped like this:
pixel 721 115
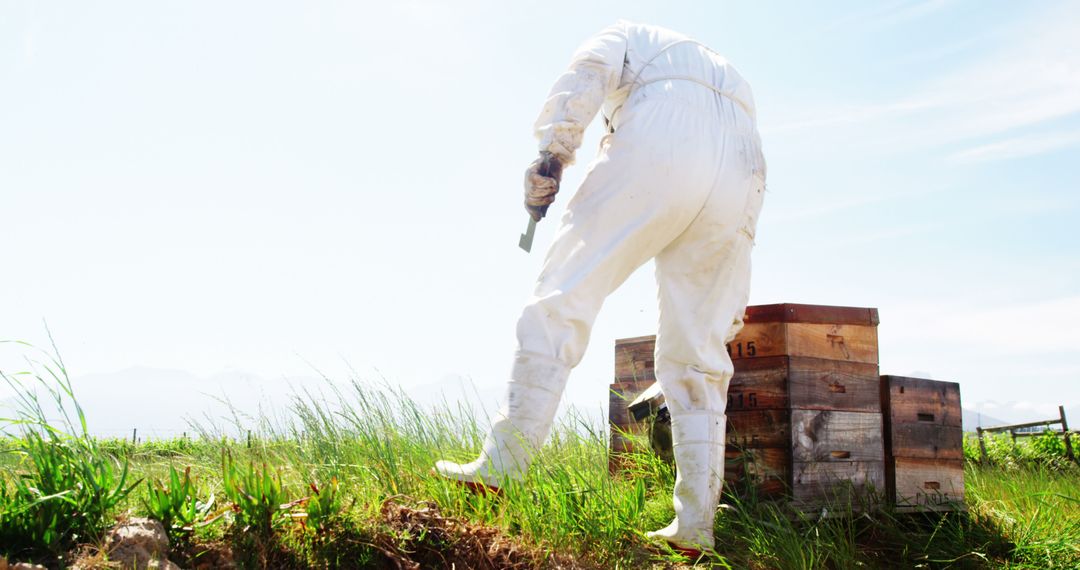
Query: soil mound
pixel 420 536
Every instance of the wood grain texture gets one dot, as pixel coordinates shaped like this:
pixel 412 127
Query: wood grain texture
pixel 804 383
pixel 763 472
pixel 762 385
pixel 787 329
pixel 819 384
pixel 759 340
pixel 809 435
pixel 854 483
pixel 620 394
pixel 759 429
pixel 809 456
pixel 925 441
pixel 926 484
pixel 855 343
pixel 917 400
pixel 922 418
pixel 778 382
pixel 826 436
pixel 798 313
pixel 634 359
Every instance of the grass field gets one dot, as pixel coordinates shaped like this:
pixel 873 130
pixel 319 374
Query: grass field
pixel 347 485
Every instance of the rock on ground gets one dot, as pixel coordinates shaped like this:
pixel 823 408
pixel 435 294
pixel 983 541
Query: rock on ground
pixel 4 565
pixel 139 543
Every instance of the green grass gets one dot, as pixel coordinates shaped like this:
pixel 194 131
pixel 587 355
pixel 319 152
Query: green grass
pixel 63 487
pixel 348 485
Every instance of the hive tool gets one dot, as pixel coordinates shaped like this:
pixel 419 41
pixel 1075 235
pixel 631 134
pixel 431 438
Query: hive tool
pixel 526 239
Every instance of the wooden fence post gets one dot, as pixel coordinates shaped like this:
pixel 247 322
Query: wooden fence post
pixel 1065 434
pixel 982 445
pixel 134 433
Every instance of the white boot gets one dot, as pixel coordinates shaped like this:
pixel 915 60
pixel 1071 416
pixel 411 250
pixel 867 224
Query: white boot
pixel 521 426
pixel 698 443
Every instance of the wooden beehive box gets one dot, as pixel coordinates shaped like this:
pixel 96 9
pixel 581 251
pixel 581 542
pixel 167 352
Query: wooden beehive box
pixel 634 359
pixel 819 331
pixel 846 334
pixel 804 410
pixel 633 375
pixel 623 426
pixel 786 382
pixel 924 468
pixel 814 457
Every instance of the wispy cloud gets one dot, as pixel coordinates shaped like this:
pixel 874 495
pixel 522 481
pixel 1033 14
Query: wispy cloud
pixel 1022 408
pixel 1017 147
pixel 30 44
pixel 908 11
pixel 936 53
pixel 1001 96
pixel 884 14
pixel 820 210
pixel 996 328
pixel 851 114
pixel 1033 78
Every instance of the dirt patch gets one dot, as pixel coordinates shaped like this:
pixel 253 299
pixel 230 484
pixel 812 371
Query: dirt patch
pixel 420 536
pixel 206 556
pixel 408 535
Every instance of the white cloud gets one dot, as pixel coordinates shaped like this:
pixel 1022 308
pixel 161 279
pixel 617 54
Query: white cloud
pixel 884 14
pixel 1017 147
pixel 851 114
pixel 1028 329
pixel 909 11
pixel 1024 410
pixel 896 231
pixel 1032 78
pixel 30 43
pixel 790 215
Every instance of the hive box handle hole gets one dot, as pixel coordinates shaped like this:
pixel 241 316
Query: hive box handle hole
pixel 926 417
pixel 932 485
pixel 841 454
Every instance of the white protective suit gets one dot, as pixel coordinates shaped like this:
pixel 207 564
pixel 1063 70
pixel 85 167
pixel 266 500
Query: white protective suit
pixel 679 178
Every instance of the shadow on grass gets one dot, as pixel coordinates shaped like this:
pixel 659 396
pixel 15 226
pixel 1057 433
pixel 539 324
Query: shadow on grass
pixel 768 534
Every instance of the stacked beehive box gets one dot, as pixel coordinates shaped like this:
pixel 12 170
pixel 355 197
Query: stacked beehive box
pixel 923 443
pixel 804 410
pixel 633 375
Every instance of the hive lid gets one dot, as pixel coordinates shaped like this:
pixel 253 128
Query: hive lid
pixel 817 314
pixel 793 313
pixel 635 339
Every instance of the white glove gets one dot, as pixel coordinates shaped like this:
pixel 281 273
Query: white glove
pixel 541 184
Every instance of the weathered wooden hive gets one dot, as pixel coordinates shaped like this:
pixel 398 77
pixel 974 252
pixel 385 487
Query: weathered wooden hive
pixel 633 375
pixel 804 412
pixel 804 408
pixel 924 467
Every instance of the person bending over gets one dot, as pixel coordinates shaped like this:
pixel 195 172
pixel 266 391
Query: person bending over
pixel 679 178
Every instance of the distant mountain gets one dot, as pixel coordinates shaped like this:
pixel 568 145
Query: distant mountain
pixel 156 403
pixel 1017 413
pixel 164 403
pixel 973 419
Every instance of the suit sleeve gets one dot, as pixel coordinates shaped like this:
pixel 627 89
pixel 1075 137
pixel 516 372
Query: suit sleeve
pixel 594 73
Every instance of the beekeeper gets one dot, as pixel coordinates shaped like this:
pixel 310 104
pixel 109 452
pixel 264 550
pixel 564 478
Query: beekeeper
pixel 679 178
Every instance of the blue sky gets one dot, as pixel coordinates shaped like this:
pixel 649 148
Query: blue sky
pixel 259 189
